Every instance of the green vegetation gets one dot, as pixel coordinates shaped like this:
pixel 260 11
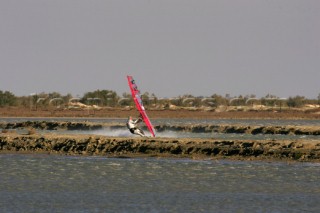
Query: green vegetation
pixel 100 97
pixel 297 101
pixel 7 99
pixel 109 98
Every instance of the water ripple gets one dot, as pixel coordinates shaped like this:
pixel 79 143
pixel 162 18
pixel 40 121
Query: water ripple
pixel 45 183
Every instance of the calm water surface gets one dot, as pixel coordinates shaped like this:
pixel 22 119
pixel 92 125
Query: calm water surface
pixel 48 183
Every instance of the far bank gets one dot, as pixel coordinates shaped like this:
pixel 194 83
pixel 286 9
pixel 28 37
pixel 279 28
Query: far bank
pixel 191 113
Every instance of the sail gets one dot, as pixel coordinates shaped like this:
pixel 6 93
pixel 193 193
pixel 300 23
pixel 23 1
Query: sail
pixel 138 101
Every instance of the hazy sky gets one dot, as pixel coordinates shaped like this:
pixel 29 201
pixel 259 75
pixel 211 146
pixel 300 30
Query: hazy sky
pixel 171 47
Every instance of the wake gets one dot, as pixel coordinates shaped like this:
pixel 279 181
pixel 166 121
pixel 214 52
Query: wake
pixel 126 133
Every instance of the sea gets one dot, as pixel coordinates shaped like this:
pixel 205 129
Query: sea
pixel 62 183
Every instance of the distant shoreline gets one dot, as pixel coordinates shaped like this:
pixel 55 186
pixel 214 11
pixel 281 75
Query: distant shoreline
pixel 12 112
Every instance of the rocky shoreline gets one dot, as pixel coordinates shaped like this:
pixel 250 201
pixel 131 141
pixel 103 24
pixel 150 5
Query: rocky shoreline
pixel 51 125
pixel 195 128
pixel 297 150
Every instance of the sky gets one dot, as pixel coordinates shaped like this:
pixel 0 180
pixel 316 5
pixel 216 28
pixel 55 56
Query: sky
pixel 171 47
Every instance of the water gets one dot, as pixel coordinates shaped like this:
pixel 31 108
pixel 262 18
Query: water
pixel 180 134
pixel 47 183
pixel 123 132
pixel 54 183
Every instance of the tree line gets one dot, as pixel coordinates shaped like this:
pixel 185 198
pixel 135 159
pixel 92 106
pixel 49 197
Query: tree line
pixel 109 98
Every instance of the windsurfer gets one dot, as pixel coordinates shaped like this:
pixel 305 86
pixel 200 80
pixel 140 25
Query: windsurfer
pixel 139 105
pixel 133 126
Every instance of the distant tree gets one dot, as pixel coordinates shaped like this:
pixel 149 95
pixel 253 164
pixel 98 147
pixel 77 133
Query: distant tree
pixel 40 100
pixel 7 99
pixel 23 101
pixel 67 97
pixel 145 98
pixel 106 97
pixel 54 95
pixel 269 100
pixel 219 100
pixel 187 100
pixel 43 99
pixel 296 101
pixel 154 99
pixel 125 100
pixel 269 96
pixel 175 101
pixel 237 101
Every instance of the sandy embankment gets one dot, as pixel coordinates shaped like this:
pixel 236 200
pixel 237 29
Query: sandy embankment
pixel 298 150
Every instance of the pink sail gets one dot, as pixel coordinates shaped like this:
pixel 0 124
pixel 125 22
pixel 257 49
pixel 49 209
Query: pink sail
pixel 137 100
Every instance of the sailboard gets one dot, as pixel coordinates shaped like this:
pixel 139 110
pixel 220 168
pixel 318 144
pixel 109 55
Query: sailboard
pixel 139 105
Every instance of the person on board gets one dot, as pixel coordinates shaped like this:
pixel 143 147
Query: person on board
pixel 133 126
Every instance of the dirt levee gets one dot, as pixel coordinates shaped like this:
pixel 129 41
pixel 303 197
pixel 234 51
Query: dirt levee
pixel 298 150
